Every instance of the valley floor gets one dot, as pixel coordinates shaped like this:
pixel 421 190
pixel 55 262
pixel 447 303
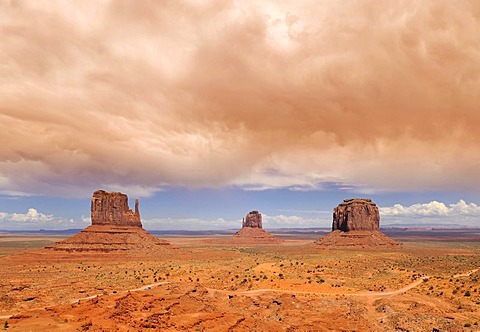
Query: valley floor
pixel 210 284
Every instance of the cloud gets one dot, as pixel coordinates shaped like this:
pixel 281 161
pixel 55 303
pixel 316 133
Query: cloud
pixel 194 224
pixel 293 221
pixel 31 216
pixel 34 220
pixel 374 95
pixel 460 213
pixel 277 221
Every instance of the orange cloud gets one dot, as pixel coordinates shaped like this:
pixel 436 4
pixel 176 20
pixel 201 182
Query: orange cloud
pixel 377 95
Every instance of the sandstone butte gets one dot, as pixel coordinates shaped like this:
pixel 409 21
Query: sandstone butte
pixel 356 223
pixel 115 227
pixel 252 231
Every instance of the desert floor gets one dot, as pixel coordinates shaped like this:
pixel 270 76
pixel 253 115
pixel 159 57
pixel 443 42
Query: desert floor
pixel 211 284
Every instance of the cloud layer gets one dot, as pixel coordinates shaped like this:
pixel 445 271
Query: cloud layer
pixel 420 214
pixel 460 213
pixel 34 220
pixel 375 95
pixel 269 222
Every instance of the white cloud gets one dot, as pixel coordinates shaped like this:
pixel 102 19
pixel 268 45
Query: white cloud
pixel 432 209
pixel 438 212
pixel 33 219
pixel 277 221
pixel 285 221
pixel 194 224
pixel 32 215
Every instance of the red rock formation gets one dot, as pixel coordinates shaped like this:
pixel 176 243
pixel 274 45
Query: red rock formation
pixel 356 223
pixel 112 209
pixel 358 239
pixel 114 228
pixel 357 214
pixel 253 219
pixel 252 231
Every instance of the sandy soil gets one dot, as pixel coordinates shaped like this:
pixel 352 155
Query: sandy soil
pixel 292 286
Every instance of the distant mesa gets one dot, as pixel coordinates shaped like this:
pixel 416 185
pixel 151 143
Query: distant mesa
pixel 356 222
pixel 115 227
pixel 356 214
pixel 252 230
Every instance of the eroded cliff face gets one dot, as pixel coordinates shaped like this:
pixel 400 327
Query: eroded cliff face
pixel 111 208
pixel 253 220
pixel 357 214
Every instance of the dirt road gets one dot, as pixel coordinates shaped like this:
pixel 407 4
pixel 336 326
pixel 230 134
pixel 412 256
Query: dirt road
pixel 256 292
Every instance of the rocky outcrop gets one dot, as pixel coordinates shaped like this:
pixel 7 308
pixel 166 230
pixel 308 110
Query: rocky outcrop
pixel 253 219
pixel 115 227
pixel 252 231
pixel 356 239
pixel 111 208
pixel 357 214
pixel 356 223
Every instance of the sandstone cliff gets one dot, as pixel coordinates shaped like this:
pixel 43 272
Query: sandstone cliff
pixel 111 208
pixel 115 227
pixel 357 214
pixel 253 219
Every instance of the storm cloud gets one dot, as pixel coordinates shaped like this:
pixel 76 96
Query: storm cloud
pixel 137 96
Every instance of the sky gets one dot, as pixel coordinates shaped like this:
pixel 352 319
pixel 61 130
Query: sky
pixel 206 110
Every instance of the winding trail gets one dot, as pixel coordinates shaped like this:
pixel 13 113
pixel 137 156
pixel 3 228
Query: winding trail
pixel 256 292
pixel 467 274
